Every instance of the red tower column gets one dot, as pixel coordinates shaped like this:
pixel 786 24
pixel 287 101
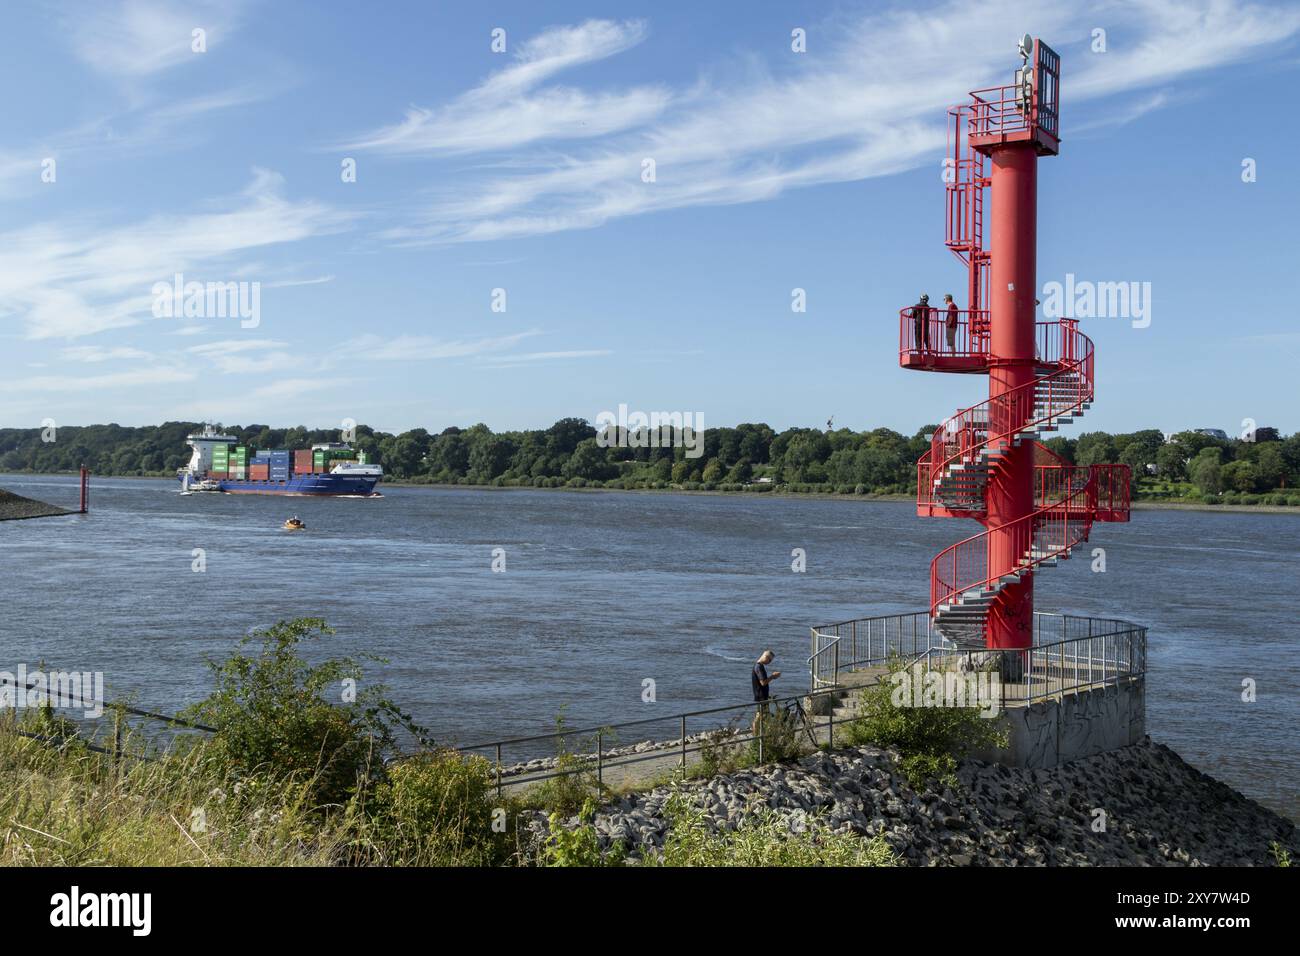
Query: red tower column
pixel 1014 217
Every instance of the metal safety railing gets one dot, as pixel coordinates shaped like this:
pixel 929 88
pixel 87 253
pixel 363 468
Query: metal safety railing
pixel 1023 544
pixel 867 641
pixel 929 337
pixel 599 754
pixel 1068 652
pixel 1022 106
pixel 117 714
pixel 1057 344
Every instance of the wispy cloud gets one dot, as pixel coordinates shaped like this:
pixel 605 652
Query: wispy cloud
pixel 523 359
pixel 507 110
pixel 161 375
pixel 248 356
pixel 422 347
pixel 1123 115
pixel 869 103
pixel 77 278
pixel 96 353
pixel 293 387
pixel 148 127
pixel 140 37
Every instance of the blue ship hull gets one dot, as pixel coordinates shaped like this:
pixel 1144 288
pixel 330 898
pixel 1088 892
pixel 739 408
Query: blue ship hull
pixel 325 485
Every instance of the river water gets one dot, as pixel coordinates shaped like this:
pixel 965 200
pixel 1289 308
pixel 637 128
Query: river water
pixel 604 591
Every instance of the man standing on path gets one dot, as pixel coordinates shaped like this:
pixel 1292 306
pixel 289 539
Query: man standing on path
pixel 760 680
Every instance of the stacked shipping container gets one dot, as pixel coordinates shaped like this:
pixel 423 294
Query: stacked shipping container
pixel 233 461
pixel 279 466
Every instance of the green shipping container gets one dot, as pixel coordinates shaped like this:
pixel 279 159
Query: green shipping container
pixel 318 459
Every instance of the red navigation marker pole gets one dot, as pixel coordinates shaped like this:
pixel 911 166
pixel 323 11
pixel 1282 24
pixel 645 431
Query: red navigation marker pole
pixel 85 488
pixel 1013 135
pixel 985 462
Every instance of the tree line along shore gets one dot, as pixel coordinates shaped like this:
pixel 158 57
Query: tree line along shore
pixel 1188 467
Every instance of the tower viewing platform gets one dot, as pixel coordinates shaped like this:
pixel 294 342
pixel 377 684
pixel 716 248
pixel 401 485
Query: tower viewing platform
pixel 1068 686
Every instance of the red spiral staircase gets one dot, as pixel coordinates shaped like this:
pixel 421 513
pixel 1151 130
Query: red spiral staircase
pixel 981 460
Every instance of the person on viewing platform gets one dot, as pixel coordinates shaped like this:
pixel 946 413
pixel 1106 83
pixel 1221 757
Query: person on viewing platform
pixel 950 327
pixel 921 323
pixel 760 680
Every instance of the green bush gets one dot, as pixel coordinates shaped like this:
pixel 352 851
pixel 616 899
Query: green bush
pixel 578 846
pixel 779 732
pixel 720 752
pixel 929 740
pixel 575 781
pixel 272 712
pixel 438 809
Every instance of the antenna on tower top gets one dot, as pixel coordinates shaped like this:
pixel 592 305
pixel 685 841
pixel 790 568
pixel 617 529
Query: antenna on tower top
pixel 1025 76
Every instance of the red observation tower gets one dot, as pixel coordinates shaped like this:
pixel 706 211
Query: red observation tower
pixel 985 462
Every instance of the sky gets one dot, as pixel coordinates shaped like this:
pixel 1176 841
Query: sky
pixel 502 255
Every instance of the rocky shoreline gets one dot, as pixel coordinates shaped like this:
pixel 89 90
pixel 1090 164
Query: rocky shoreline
pixel 15 507
pixel 1157 810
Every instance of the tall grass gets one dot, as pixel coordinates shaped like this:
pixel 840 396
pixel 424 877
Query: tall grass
pixel 68 806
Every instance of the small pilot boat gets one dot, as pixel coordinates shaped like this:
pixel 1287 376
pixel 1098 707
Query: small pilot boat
pixel 294 524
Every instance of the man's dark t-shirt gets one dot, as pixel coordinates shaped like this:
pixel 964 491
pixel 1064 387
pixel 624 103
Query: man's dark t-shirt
pixel 759 681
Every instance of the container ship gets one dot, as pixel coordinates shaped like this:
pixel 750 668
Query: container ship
pixel 219 463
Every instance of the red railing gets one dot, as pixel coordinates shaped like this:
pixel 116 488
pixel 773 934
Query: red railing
pixel 1054 342
pixel 1000 110
pixel 1112 482
pixel 1050 532
pixel 994 421
pixel 1113 499
pixel 964 225
pixel 970 334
